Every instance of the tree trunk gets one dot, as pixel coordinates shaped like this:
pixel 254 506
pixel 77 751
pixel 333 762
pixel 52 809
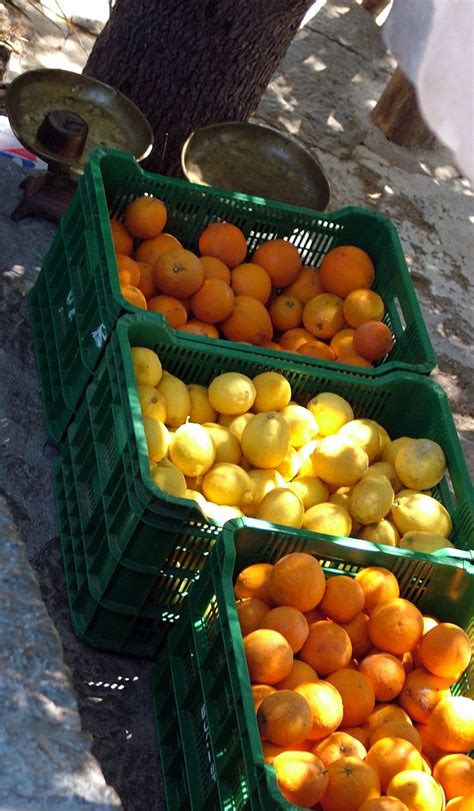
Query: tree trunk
pixel 187 63
pixel 396 114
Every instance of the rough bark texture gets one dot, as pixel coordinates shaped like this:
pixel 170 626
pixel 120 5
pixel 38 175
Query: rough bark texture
pixel 186 63
pixel 396 114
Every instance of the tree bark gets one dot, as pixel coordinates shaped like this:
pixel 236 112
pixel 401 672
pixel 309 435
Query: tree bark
pixel 396 114
pixel 375 6
pixel 187 63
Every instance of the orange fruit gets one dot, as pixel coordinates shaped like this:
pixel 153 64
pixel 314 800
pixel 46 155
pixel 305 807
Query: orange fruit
pixel 259 692
pixel 306 286
pixel 249 322
pixel 386 712
pixel 451 724
pixel 253 581
pixel 286 312
pixel 418 790
pixel 353 359
pixel 373 340
pixel 280 259
pixel 428 748
pixel 388 756
pixel 290 623
pixel 224 241
pixel 386 674
pixel 128 270
pixel 147 280
pixel 215 269
pixel 284 718
pixel 272 345
pixel 396 625
pixel 316 349
pixel 251 612
pixel 359 733
pixel 383 804
pixel 314 615
pixel 456 775
pixel 301 777
pixel 297 580
pixel 351 782
pixel 378 584
pixel 292 339
pixel 358 630
pixel 178 273
pixel 170 308
pixel 213 302
pixel 357 695
pixel 421 693
pixel 361 306
pixel 133 295
pixel 445 650
pixel 269 656
pixel 195 327
pixel 342 342
pixel 396 729
pixel 151 249
pixel 323 316
pixel 250 279
pixel 300 673
pixel 346 268
pixel 146 217
pixel 457 803
pixel 326 707
pixel 343 599
pixel 338 745
pixel 271 750
pixel 327 648
pixel 123 241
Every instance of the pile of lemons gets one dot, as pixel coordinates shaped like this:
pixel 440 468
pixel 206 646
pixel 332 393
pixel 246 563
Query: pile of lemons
pixel 242 446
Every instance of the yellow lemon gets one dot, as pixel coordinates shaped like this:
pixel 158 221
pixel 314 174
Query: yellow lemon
pixel 146 365
pixel 310 489
pixel 234 423
pixel 201 409
pixel 385 439
pixel 157 438
pixel 168 478
pixel 342 496
pixel 365 433
pixel 281 506
pixel 381 532
pixel 419 512
pixel 228 484
pixel 220 513
pixel 330 411
pixel 195 495
pixel 339 461
pixel 192 449
pixel 265 439
pixel 388 470
pixel 420 464
pixel 273 392
pixel 371 499
pixel 226 443
pixel 232 393
pixel 424 542
pixel 262 481
pixel 178 401
pixel 328 519
pixel 303 427
pixel 389 454
pixel 305 452
pixel 291 464
pixel 152 403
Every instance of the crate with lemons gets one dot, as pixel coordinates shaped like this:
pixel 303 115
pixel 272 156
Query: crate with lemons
pixel 242 446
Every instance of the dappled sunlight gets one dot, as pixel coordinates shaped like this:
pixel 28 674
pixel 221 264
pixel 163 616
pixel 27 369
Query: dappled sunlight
pixel 333 123
pixel 315 63
pixel 311 13
pixel 15 272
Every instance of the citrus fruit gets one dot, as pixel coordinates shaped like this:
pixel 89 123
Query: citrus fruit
pixel 286 312
pixel 178 273
pixel 395 625
pixel 215 269
pixel 327 648
pixel 386 674
pixel 290 622
pixel 300 673
pixel 284 717
pixel 157 438
pixel 337 745
pixel 445 650
pixel 456 775
pixel 343 599
pixel 191 449
pixel 331 412
pixel 253 581
pixel 227 484
pixel 224 241
pixel 358 632
pixel 280 259
pixel 226 443
pixel 248 322
pixel 451 724
pixel 361 306
pixel 306 286
pixel 151 249
pixel 420 464
pixel 260 691
pixel 269 657
pixel 232 393
pixel 378 585
pixel 412 511
pixel 346 268
pixel 273 391
pixel 351 782
pixel 251 279
pixel 381 532
pixel 373 340
pixel 328 519
pixel 301 778
pixel 357 695
pixel 388 756
pixel 421 693
pixel 152 403
pixel 371 499
pixel 419 791
pixel 326 707
pixel 178 400
pixel 310 489
pixel 323 316
pixel 339 460
pixel 251 612
pixel 281 506
pixel 146 365
pixel 213 301
pixel 170 308
pixel 145 217
pixel 297 579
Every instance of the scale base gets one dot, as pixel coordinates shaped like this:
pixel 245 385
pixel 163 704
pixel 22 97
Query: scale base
pixel 45 196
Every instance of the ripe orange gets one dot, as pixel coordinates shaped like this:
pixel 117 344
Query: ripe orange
pixel 250 279
pixel 147 280
pixel 384 804
pixel 342 342
pixel 284 718
pixel 351 782
pixel 396 729
pixel 253 581
pixel 280 259
pixel 297 580
pixel 259 692
pixel 251 612
pixel 358 630
pixel 353 359
pixel 357 695
pixel 327 648
pixel 269 656
pixel 290 623
pixel 306 286
pixel 170 308
pixel 314 615
pixel 418 790
pixel 451 724
pixel 215 269
pixel 195 327
pixel 151 249
pixel 428 748
pixel 224 241
pixel 134 296
pixel 213 302
pixel 343 599
pixel 388 756
pixel 302 778
pixel 346 268
pixel 178 273
pixel 300 673
pixel 292 339
pixel 359 733
pixel 361 306
pixel 123 241
pixel 386 674
pixel 373 340
pixel 338 745
pixel 316 349
pixel 249 322
pixel 456 775
pixel 146 217
pixel 378 584
pixel 386 712
pixel 286 312
pixel 272 345
pixel 326 707
pixel 421 693
pixel 323 316
pixel 395 626
pixel 445 650
pixel 128 270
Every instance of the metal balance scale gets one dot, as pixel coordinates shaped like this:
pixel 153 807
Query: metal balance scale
pixel 61 116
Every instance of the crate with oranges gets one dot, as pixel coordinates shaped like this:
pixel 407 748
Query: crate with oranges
pixel 319 678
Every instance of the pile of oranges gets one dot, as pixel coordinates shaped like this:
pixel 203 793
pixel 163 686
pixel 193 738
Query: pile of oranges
pixel 351 685
pixel 271 300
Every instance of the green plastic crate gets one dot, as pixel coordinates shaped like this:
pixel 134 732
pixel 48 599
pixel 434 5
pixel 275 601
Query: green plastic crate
pixel 136 550
pixel 76 300
pixel 208 737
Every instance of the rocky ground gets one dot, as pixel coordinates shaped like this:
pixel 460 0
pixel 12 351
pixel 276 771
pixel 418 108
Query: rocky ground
pixel 322 93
